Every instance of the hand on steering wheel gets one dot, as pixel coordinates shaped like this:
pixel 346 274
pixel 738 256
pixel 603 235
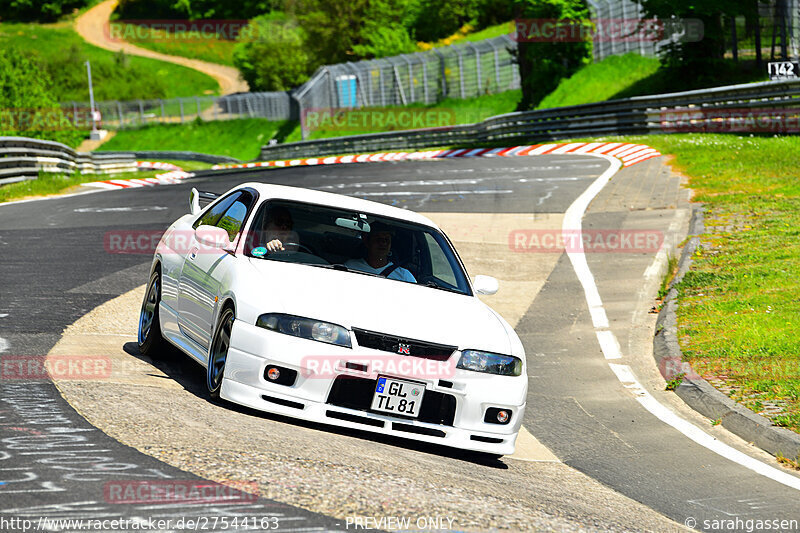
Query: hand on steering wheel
pixel 299 247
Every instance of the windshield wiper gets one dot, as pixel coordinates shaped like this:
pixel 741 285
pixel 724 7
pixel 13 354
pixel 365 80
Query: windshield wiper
pixel 435 285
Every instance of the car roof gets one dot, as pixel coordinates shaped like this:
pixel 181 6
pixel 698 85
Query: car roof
pixel 299 194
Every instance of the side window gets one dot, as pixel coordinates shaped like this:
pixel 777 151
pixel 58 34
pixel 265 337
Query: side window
pixel 440 266
pixel 213 215
pixel 234 217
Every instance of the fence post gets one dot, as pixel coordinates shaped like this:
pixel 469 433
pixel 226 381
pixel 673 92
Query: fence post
pixel 477 67
pixel 75 114
pixel 425 80
pixel 399 85
pixel 460 71
pixel 163 111
pixel 380 83
pixel 496 66
pixel 180 102
pixel 410 78
pixel 197 101
pixel 119 112
pixel 442 71
pixel 141 112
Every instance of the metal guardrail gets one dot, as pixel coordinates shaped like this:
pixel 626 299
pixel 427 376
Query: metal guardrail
pixel 22 158
pixel 173 156
pixel 708 110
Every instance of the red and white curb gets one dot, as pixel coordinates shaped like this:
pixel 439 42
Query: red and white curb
pixel 628 154
pixel 156 165
pixel 175 175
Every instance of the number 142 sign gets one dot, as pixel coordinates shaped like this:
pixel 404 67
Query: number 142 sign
pixel 781 70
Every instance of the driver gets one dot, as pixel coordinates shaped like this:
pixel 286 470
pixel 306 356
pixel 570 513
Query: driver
pixel 378 243
pixel 278 230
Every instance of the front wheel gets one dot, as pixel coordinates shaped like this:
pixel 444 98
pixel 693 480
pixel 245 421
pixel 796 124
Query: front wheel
pixel 151 342
pixel 218 354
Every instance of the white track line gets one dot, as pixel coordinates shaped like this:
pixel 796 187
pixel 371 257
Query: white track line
pixel 610 345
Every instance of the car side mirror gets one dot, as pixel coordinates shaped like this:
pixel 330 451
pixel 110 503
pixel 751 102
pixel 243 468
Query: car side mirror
pixel 213 236
pixel 194 201
pixel 486 285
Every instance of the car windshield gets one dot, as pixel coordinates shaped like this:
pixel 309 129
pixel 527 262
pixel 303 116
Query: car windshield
pixel 357 242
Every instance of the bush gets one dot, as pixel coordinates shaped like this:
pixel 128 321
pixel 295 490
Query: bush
pixel 37 10
pixel 272 55
pixel 27 107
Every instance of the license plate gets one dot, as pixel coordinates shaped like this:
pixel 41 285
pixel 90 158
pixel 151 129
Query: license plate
pixel 398 397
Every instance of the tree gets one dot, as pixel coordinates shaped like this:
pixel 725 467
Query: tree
pixel 698 60
pixel 28 107
pixel 37 10
pixel 543 54
pixel 272 53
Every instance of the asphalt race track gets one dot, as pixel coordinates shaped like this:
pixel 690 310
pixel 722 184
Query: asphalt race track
pixel 611 452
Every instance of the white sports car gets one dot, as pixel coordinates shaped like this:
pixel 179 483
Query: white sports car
pixel 336 310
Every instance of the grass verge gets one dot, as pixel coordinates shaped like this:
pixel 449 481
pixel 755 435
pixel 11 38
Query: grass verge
pixel 465 111
pixel 48 184
pixel 738 305
pixel 241 139
pixel 601 81
pixel 62 53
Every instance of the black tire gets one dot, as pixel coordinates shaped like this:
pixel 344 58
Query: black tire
pixel 218 353
pixel 151 342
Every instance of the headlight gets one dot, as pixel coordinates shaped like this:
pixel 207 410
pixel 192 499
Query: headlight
pixel 490 363
pixel 306 328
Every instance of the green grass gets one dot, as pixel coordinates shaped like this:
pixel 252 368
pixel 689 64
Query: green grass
pixel 497 30
pixel 48 184
pixel 465 111
pixel 116 77
pixel 241 139
pixel 738 305
pixel 601 81
pixel 193 45
pixel 465 34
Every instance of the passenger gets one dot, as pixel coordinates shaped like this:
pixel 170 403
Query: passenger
pixel 378 243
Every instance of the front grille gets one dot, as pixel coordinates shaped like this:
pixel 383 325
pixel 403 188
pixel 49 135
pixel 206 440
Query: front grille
pixel 392 343
pixel 356 393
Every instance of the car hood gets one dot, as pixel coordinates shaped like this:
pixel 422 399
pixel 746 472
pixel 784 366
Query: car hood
pixel 381 305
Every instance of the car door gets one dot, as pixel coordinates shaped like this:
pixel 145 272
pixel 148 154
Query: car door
pixel 204 267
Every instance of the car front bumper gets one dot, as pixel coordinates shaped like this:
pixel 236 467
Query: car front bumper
pixel 326 391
